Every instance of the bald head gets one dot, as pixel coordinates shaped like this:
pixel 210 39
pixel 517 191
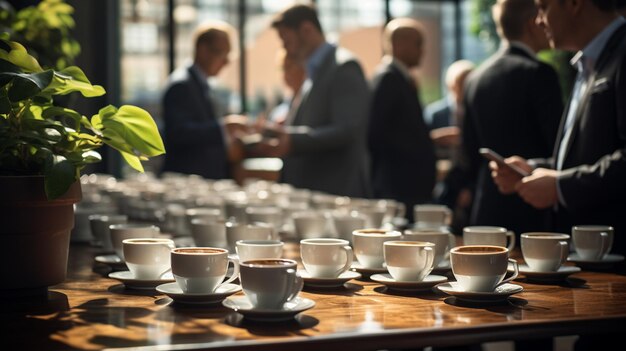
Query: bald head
pixel 403 39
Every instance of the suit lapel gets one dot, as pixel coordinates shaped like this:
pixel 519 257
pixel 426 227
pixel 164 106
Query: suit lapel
pixel 615 40
pixel 312 88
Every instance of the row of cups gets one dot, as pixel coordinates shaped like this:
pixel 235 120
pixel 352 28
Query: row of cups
pixel 267 282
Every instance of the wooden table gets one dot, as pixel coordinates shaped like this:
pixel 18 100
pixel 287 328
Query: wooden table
pixel 90 311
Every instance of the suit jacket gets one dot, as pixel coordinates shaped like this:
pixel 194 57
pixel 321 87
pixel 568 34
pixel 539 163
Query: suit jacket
pixel 438 114
pixel 193 137
pixel 328 133
pixel 512 105
pixel 403 156
pixel 593 184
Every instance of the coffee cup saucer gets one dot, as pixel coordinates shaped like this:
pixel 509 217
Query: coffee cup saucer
pixel 426 284
pixel 443 267
pixel 610 258
pixel 328 282
pixel 112 260
pixel 356 266
pixel 242 305
pixel 174 291
pixel 501 293
pixel 562 273
pixel 128 279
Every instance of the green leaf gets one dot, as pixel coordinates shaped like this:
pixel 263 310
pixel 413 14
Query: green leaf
pixel 73 79
pixel 135 127
pixel 133 161
pixel 60 174
pixel 28 85
pixel 20 57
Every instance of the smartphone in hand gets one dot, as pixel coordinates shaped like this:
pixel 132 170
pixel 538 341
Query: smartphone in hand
pixel 494 156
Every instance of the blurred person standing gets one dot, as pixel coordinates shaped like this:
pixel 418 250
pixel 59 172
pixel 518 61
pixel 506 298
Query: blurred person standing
pixel 443 116
pixel 512 105
pixel 583 181
pixel 402 153
pixel 324 147
pixel 294 76
pixel 195 135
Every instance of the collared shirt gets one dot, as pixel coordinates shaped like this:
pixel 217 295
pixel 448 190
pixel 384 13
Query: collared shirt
pixel 584 61
pixel 317 57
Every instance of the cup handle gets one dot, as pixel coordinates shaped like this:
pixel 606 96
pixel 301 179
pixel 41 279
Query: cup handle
pixel 515 273
pixel 564 251
pixel 451 243
pixel 169 247
pixel 235 272
pixel 511 235
pixel 605 245
pixel 296 284
pixel 448 217
pixel 430 259
pixel 349 257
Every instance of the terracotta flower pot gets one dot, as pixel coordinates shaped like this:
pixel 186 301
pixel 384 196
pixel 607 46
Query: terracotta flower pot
pixel 34 235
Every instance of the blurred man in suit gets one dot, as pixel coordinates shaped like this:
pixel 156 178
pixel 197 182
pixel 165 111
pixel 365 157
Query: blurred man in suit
pixel 583 183
pixel 194 132
pixel 402 153
pixel 324 147
pixel 294 75
pixel 512 105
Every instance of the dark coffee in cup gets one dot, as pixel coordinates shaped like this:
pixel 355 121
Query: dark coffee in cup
pixel 260 263
pixel 198 251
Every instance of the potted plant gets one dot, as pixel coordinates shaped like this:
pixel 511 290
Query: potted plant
pixel 43 148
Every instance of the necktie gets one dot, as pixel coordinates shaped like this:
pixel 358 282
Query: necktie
pixel 577 94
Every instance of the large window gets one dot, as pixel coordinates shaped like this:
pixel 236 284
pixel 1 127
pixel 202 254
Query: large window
pixel 150 47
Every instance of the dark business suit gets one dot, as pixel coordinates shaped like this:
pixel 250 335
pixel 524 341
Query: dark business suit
pixel 438 114
pixel 403 156
pixel 512 105
pixel 328 147
pixel 593 184
pixel 193 137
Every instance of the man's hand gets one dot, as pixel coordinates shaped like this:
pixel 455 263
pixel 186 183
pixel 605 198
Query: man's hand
pixel 504 177
pixel 446 136
pixel 539 189
pixel 276 143
pixel 236 124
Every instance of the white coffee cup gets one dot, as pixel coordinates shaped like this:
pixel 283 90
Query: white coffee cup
pixel 100 223
pixel 310 224
pixel 592 242
pixel 544 252
pixel 201 270
pixel 205 213
pixel 270 283
pixel 326 257
pixel 209 233
pixel 257 249
pixel 346 223
pixel 149 258
pixel 442 238
pixel 265 214
pixel 368 246
pixel 120 232
pixel 488 235
pixel 256 231
pixel 431 216
pixel 481 268
pixel 409 260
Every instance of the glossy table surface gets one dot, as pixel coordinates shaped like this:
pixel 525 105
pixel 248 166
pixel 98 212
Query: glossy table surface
pixel 91 311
